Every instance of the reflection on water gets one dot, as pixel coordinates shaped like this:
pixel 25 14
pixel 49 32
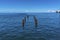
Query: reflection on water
pixel 48 27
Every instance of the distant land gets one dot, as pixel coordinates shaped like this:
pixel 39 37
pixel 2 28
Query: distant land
pixel 57 11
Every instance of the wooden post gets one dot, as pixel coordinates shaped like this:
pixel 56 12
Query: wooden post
pixel 27 16
pixel 35 22
pixel 23 23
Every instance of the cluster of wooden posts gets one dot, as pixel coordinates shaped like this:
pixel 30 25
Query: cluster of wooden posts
pixel 24 21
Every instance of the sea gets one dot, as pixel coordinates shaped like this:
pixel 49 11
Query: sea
pixel 48 27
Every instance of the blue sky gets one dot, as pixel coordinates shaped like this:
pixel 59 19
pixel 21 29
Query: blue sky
pixel 29 5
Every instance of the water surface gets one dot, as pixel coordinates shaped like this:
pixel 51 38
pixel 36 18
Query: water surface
pixel 48 27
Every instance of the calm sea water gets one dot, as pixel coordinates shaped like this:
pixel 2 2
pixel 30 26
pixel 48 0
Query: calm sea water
pixel 48 27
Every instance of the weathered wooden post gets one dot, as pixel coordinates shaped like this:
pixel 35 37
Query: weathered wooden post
pixel 23 23
pixel 27 17
pixel 35 22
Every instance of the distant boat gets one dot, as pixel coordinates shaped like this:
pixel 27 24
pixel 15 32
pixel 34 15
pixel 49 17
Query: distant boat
pixel 57 11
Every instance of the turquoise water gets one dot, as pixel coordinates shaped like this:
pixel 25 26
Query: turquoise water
pixel 48 27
